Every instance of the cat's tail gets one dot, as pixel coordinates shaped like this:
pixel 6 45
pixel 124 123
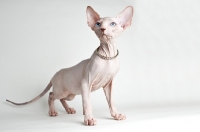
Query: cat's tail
pixel 36 98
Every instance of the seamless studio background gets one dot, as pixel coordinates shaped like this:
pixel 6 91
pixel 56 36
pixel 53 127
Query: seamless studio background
pixel 158 83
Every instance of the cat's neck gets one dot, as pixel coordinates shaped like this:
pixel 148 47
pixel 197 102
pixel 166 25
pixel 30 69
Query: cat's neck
pixel 108 49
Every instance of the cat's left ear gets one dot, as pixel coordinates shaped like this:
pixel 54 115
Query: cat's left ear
pixel 92 17
pixel 125 17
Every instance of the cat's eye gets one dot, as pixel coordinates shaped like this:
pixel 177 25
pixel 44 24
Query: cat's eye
pixel 98 24
pixel 113 24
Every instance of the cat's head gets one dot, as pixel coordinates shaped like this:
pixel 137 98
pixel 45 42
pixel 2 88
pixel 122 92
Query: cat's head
pixel 109 28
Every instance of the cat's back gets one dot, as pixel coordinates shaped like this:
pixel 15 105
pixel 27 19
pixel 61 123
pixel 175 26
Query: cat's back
pixel 72 71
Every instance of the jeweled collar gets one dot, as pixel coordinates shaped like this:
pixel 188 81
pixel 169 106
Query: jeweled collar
pixel 105 57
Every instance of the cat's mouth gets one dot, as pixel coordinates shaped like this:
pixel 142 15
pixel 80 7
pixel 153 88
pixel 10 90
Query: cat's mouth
pixel 106 36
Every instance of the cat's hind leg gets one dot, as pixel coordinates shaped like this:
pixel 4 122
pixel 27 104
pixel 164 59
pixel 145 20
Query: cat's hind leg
pixel 52 111
pixel 66 106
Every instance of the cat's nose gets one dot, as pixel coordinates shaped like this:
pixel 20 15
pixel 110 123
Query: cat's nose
pixel 103 29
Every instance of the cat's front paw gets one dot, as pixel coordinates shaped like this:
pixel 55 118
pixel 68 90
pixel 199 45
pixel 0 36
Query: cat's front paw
pixel 90 122
pixel 119 117
pixel 53 113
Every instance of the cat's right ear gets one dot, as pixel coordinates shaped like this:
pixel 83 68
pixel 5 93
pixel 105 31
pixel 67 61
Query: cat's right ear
pixel 92 17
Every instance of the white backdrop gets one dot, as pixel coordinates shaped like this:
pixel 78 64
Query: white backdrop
pixel 159 53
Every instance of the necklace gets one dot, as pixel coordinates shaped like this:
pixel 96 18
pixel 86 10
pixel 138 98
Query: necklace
pixel 105 57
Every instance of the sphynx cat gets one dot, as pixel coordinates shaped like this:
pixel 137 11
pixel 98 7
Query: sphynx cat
pixel 93 73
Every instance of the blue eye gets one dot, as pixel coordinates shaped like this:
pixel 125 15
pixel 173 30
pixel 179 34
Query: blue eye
pixel 98 24
pixel 113 24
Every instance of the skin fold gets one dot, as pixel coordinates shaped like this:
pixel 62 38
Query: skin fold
pixel 93 73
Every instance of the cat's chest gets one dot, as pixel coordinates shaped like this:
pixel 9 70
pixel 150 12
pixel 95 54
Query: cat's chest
pixel 104 73
pixel 101 81
pixel 105 67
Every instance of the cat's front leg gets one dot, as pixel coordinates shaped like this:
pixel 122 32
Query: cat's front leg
pixel 89 120
pixel 113 111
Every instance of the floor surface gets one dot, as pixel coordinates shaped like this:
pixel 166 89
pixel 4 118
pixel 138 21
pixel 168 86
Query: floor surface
pixel 157 118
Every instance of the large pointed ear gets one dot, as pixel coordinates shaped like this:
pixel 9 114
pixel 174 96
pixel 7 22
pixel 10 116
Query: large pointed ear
pixel 92 17
pixel 125 17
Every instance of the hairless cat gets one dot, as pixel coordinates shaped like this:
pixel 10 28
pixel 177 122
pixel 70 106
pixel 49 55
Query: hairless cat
pixel 93 73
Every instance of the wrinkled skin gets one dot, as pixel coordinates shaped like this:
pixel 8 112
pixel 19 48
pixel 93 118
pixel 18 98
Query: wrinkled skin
pixel 93 73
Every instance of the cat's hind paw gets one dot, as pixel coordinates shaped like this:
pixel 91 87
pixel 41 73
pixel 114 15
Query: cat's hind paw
pixel 71 110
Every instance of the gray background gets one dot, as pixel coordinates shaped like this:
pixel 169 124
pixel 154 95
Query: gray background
pixel 159 55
